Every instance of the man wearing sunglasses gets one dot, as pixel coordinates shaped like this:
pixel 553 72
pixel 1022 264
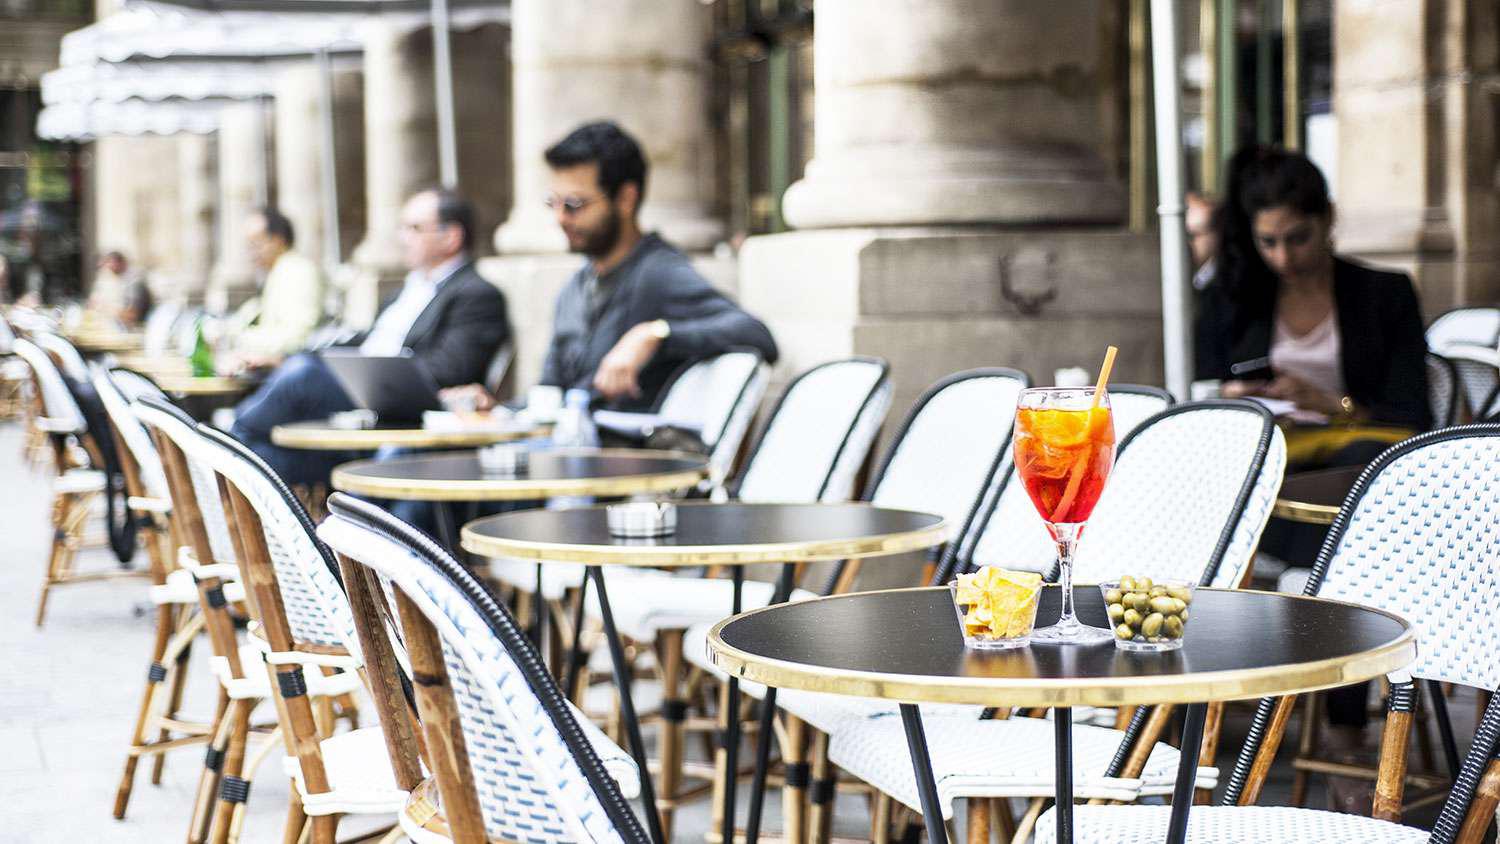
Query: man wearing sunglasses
pixel 636 310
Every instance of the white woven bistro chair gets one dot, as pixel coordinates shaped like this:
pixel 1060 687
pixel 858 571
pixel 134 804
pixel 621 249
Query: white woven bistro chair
pixel 1443 391
pixel 77 486
pixel 1464 327
pixel 517 764
pixel 1418 536
pixel 1478 370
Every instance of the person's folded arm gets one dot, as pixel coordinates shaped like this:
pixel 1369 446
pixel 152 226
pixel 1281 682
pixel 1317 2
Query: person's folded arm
pixel 703 321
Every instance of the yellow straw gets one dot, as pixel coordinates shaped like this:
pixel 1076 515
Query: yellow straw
pixel 1109 363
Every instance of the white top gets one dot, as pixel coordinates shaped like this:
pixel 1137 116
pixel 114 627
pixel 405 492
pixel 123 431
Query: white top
pixel 388 336
pixel 1315 357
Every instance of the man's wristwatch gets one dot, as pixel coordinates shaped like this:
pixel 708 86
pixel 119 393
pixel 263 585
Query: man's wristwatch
pixel 1346 407
pixel 660 329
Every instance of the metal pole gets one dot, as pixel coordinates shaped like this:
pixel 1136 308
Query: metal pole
pixel 442 77
pixel 1176 316
pixel 329 175
pixel 1291 74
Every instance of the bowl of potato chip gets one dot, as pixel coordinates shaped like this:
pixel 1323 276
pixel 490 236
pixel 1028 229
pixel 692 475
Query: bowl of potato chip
pixel 996 608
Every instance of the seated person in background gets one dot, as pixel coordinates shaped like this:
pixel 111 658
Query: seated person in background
pixel 636 310
pixel 1339 338
pixel 119 294
pixel 1336 337
pixel 446 314
pixel 276 323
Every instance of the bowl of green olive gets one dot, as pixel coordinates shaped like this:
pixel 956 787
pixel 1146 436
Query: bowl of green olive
pixel 1146 614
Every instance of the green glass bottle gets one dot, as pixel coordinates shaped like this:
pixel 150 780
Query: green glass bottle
pixel 201 361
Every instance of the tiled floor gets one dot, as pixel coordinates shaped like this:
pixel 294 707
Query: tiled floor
pixel 70 690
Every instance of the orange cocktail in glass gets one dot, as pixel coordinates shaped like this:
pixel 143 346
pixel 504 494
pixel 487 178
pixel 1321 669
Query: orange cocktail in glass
pixel 1064 448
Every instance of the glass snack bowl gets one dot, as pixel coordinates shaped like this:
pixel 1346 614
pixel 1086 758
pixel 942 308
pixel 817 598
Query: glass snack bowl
pixel 1148 615
pixel 996 609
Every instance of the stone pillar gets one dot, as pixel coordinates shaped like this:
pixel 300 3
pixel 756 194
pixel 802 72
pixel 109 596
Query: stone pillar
pixel 401 138
pixel 197 169
pixel 1417 144
pixel 642 63
pixel 958 210
pixel 243 181
pixel 136 208
pixel 300 125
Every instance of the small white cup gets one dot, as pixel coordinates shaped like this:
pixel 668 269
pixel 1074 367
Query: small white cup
pixel 544 400
pixel 1206 389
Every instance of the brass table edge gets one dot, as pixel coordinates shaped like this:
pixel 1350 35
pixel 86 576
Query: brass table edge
pixel 291 436
pixel 505 489
pixel 1239 684
pixel 707 555
pixel 1304 512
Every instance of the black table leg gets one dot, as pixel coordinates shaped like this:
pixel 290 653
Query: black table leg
pixel 1187 771
pixel 627 706
pixel 538 612
pixel 1445 726
pixel 447 527
pixel 921 763
pixel 575 650
pixel 1062 778
pixel 767 716
pixel 732 724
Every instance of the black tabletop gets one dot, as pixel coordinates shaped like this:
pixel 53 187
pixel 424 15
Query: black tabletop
pixel 458 475
pixel 709 533
pixel 1323 487
pixel 906 645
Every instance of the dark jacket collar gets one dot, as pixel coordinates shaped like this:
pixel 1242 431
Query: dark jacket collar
pixel 431 315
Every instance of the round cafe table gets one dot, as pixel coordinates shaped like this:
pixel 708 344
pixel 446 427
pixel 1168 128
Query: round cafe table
pixel 323 435
pixel 457 476
pixel 1239 645
pixel 1314 497
pixel 99 341
pixel 731 534
pixel 208 386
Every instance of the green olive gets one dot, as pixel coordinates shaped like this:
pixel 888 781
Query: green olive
pixel 1140 601
pixel 1183 615
pixel 1152 625
pixel 1127 583
pixel 1173 627
pixel 1132 618
pixel 1158 591
pixel 1124 632
pixel 1181 606
pixel 1116 612
pixel 1113 596
pixel 1165 606
pixel 1143 584
pixel 1181 593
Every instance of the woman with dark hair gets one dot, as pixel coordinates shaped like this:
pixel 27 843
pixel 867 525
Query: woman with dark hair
pixel 1286 318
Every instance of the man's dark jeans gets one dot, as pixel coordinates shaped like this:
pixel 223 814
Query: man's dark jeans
pixel 302 388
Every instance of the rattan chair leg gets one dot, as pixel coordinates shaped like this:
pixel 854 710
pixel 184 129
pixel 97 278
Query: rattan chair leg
pixel 1156 724
pixel 229 793
pixel 794 789
pixel 979 819
pixel 155 676
pixel 1390 782
pixel 1260 769
pixel 1481 813
pixel 1028 821
pixel 824 790
pixel 673 711
pixel 880 819
pixel 1002 816
pixel 1312 715
pixel 208 778
pixel 296 821
pixel 176 682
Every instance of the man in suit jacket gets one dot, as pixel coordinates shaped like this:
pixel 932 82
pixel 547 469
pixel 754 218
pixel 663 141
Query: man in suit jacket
pixel 450 318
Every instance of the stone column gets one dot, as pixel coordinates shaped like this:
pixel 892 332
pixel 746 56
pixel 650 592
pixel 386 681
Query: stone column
pixel 197 171
pixel 136 208
pixel 1417 143
pixel 958 210
pixel 243 180
pixel 300 123
pixel 642 63
pixel 401 139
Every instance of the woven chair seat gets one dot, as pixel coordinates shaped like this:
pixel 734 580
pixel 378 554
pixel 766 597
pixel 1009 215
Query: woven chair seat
pixel 359 774
pixel 257 683
pixel 1007 758
pixel 181 588
pixel 1226 825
